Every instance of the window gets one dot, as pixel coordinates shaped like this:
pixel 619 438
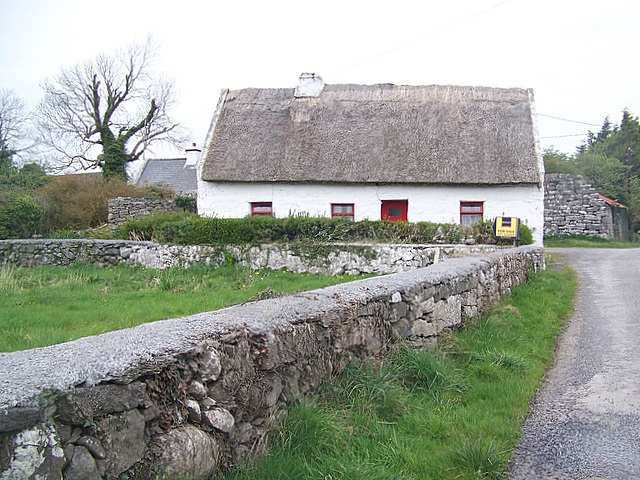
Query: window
pixel 342 210
pixel 261 208
pixel 471 212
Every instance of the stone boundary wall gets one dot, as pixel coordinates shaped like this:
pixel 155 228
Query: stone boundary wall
pixel 330 259
pixel 573 207
pixel 122 209
pixel 183 398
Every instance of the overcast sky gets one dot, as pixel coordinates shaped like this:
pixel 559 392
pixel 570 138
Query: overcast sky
pixel 580 57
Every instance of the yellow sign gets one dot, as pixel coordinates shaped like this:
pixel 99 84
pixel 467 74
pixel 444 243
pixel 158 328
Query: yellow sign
pixel 506 227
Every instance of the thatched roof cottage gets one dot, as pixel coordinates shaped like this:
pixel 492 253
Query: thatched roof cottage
pixel 416 153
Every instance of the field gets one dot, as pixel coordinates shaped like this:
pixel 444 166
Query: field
pixel 49 305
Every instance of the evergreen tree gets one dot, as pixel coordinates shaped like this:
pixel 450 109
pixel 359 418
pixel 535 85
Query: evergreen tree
pixel 558 162
pixel 609 161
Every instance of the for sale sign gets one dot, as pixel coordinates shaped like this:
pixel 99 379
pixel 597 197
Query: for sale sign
pixel 507 227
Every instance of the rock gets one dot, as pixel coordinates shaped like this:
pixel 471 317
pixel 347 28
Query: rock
pixel 209 366
pixel 122 436
pixel 244 432
pixel 35 453
pixel 207 403
pixel 188 452
pixel 422 328
pixel 219 418
pixel 93 445
pixel 18 418
pixel 193 409
pixel 197 390
pixel 84 404
pixel 82 466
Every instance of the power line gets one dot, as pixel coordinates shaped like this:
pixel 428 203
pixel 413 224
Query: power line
pixel 563 136
pixel 430 34
pixel 568 120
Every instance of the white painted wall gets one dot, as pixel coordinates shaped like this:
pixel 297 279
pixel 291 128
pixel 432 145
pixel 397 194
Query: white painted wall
pixel 426 203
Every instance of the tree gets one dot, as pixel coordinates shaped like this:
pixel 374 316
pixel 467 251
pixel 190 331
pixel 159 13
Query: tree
pixel 107 111
pixel 606 174
pixel 14 137
pixel 558 162
pixel 610 163
pixel 13 119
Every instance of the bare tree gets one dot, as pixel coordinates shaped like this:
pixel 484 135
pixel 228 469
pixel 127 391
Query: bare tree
pixel 13 125
pixel 107 111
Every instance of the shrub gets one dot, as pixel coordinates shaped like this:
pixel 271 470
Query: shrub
pixel 188 204
pixel 81 201
pixel 149 227
pixel 526 237
pixel 20 216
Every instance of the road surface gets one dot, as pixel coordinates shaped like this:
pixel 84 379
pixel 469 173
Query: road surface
pixel 585 422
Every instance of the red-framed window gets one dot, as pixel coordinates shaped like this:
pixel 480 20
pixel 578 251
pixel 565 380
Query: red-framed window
pixel 261 208
pixel 394 210
pixel 471 212
pixel 343 210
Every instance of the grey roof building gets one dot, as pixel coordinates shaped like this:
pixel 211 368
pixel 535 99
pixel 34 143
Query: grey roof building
pixel 179 174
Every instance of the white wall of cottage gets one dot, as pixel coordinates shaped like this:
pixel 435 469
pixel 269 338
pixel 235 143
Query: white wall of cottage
pixel 439 204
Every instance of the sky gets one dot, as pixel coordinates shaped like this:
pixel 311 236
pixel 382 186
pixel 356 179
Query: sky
pixel 580 57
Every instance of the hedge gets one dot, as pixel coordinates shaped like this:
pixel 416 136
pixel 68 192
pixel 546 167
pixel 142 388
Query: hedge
pixel 187 229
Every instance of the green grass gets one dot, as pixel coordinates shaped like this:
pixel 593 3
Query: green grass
pixel 450 413
pixel 583 241
pixel 48 305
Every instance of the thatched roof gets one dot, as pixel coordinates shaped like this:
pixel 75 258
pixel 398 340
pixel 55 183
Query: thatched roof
pixel 374 134
pixel 170 172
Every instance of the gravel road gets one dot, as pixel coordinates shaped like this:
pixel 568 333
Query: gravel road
pixel 585 422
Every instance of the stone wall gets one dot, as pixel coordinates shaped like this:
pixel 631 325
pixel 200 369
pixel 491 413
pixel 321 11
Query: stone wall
pixel 573 207
pixel 331 259
pixel 182 398
pixel 122 209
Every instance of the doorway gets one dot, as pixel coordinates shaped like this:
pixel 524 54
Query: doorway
pixel 394 210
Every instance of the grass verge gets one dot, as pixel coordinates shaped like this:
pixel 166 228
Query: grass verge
pixel 48 305
pixel 583 241
pixel 450 413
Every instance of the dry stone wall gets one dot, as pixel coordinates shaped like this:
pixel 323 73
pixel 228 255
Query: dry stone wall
pixel 182 398
pixel 122 209
pixel 324 259
pixel 573 207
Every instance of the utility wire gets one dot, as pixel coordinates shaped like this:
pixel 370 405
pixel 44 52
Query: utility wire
pixel 563 136
pixel 419 39
pixel 568 120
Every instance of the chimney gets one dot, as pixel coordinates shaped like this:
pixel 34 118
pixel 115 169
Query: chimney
pixel 193 154
pixel 311 85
